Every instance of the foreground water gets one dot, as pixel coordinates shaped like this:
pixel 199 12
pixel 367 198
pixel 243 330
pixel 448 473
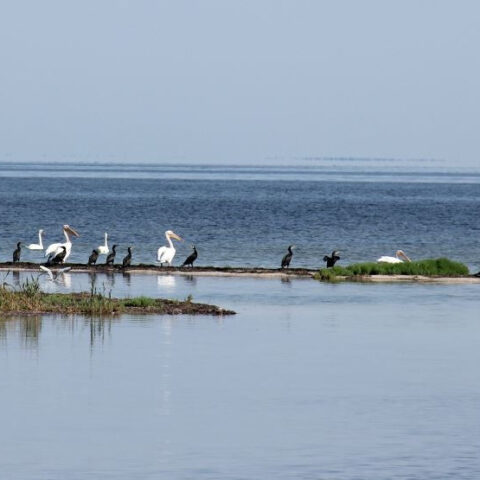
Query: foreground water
pixel 308 380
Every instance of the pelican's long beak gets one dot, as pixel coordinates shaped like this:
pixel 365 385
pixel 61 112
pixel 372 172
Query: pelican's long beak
pixel 72 231
pixel 402 254
pixel 176 237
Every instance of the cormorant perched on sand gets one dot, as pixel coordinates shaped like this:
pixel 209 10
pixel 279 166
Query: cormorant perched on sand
pixel 127 258
pixel 191 258
pixel 331 260
pixel 60 257
pixel 17 252
pixel 111 256
pixel 288 257
pixel 92 259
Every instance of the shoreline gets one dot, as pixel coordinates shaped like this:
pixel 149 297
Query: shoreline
pixel 245 272
pixel 155 269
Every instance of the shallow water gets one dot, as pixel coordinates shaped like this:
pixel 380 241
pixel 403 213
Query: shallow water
pixel 308 380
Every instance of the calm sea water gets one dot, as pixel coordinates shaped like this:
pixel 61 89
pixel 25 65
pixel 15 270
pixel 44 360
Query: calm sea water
pixel 245 216
pixel 308 380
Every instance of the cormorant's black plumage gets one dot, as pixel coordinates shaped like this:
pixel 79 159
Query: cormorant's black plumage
pixel 111 256
pixel 331 260
pixel 287 258
pixel 60 257
pixel 127 258
pixel 92 259
pixel 17 252
pixel 191 258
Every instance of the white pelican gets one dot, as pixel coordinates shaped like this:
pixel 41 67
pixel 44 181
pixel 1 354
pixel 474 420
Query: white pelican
pixel 36 246
pixel 103 249
pixel 55 248
pixel 165 254
pixel 395 259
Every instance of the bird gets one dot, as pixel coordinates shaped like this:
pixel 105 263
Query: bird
pixel 54 249
pixel 395 259
pixel 17 252
pixel 59 257
pixel 191 258
pixel 92 259
pixel 103 249
pixel 331 260
pixel 127 258
pixel 36 246
pixel 53 275
pixel 165 254
pixel 111 256
pixel 288 257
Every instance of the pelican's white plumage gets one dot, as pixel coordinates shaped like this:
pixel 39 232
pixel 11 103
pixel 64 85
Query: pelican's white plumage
pixel 395 259
pixel 103 249
pixel 39 245
pixel 55 248
pixel 165 254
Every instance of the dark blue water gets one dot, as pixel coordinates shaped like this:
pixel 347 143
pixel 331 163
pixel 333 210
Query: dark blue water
pixel 244 216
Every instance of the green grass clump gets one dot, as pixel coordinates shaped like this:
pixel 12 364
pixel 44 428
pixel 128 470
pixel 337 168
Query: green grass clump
pixel 143 302
pixel 431 267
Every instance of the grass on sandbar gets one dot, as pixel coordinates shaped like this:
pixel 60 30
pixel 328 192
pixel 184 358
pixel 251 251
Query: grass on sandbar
pixel 29 298
pixel 442 267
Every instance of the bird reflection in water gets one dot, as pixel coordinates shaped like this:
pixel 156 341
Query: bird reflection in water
pixel 92 278
pixel 166 281
pixel 190 279
pixel 110 279
pixel 67 280
pixel 286 281
pixel 127 279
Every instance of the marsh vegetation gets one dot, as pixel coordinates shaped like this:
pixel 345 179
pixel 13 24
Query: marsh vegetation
pixel 28 297
pixel 436 267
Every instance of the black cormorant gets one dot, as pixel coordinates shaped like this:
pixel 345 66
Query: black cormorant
pixel 92 259
pixel 191 258
pixel 127 258
pixel 288 257
pixel 111 256
pixel 331 260
pixel 60 257
pixel 17 252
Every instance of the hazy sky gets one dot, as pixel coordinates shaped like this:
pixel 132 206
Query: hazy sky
pixel 239 81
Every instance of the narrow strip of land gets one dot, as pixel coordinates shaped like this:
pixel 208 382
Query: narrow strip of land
pixel 156 269
pixel 251 272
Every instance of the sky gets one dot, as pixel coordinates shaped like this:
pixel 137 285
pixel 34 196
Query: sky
pixel 232 82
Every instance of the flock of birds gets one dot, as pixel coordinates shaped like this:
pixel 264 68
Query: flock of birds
pixel 58 253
